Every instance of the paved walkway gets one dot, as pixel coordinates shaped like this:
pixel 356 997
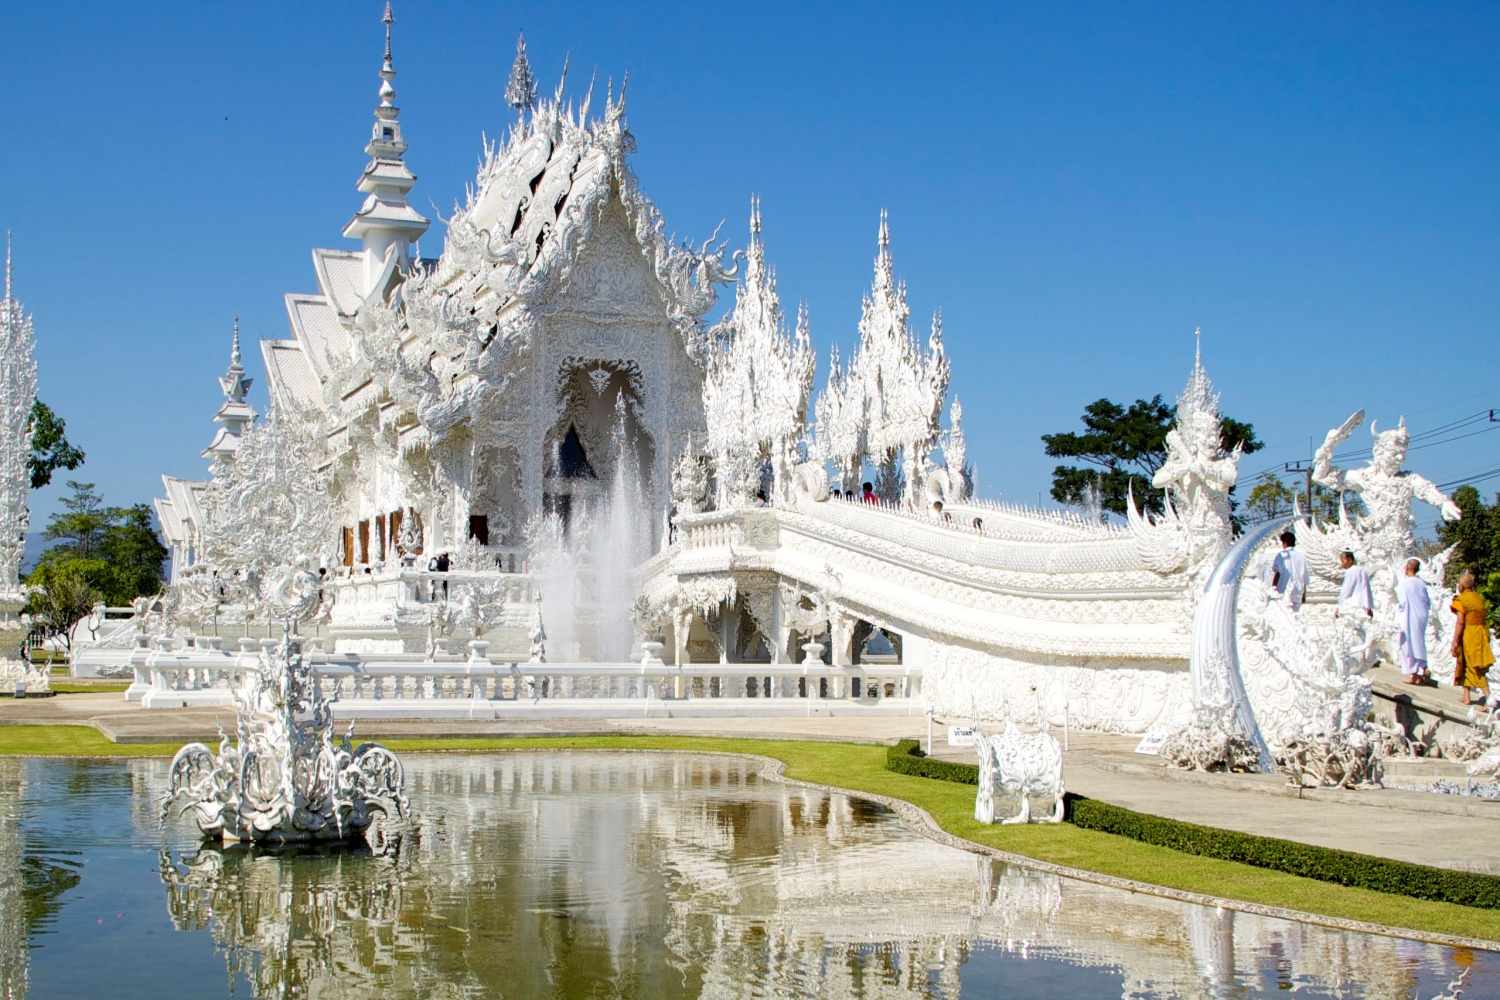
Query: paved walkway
pixel 1422 827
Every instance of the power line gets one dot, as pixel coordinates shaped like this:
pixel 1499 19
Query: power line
pixel 1485 415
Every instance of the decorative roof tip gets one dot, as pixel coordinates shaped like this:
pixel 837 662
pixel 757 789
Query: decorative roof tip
pixel 1198 350
pixel 588 98
pixel 387 71
pixel 885 230
pixel 754 217
pixel 520 90
pixel 562 82
pixel 8 271
pixel 234 350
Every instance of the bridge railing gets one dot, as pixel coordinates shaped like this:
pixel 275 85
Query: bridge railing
pixel 169 676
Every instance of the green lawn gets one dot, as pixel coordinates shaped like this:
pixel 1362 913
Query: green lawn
pixel 861 767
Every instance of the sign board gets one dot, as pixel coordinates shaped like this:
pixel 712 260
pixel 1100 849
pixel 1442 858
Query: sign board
pixel 1151 742
pixel 960 736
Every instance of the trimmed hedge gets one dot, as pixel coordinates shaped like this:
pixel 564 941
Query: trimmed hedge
pixel 906 757
pixel 1326 864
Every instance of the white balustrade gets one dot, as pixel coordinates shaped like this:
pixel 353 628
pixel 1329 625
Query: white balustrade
pixel 176 675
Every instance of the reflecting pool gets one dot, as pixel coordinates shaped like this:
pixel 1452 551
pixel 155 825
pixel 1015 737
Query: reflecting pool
pixel 572 874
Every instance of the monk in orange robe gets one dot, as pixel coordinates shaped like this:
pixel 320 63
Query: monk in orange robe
pixel 1472 654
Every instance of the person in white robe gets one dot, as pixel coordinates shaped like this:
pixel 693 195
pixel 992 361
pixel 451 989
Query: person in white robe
pixel 1355 595
pixel 1412 610
pixel 1289 573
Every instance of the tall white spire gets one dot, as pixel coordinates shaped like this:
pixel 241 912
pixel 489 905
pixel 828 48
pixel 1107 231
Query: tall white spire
pixel 385 223
pixel 17 396
pixel 235 413
pixel 520 92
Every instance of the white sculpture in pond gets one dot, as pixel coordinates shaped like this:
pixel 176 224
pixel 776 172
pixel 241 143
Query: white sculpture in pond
pixel 1022 771
pixel 282 778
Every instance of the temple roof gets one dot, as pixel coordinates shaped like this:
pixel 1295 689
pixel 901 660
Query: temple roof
pixel 292 379
pixel 341 278
pixel 323 339
pixel 178 511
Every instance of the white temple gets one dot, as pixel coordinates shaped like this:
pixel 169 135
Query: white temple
pixel 536 438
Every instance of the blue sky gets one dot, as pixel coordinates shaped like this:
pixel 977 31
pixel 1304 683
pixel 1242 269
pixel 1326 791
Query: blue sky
pixel 1076 185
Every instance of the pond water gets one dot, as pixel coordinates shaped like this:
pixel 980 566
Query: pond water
pixel 571 874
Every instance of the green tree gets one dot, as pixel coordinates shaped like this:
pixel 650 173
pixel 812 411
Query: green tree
pixel 1272 497
pixel 1125 446
pixel 114 550
pixel 62 595
pixel 50 449
pixel 1475 538
pixel 80 527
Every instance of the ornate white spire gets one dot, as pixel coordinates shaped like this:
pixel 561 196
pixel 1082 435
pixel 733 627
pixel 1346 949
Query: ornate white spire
pixel 520 92
pixel 385 222
pixel 902 385
pixel 1198 396
pixel 235 413
pixel 758 383
pixel 17 395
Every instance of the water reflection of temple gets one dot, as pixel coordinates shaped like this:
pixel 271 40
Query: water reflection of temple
pixel 682 875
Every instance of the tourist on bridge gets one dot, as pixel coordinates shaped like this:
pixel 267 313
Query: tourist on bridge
pixel 1472 654
pixel 1412 609
pixel 869 494
pixel 1355 595
pixel 1289 572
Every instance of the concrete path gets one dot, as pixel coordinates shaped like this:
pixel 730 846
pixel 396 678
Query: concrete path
pixel 1448 831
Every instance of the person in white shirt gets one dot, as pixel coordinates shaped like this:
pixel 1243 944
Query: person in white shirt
pixel 1289 571
pixel 1412 609
pixel 1355 595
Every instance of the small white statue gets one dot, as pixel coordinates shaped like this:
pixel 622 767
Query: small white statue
pixel 1018 767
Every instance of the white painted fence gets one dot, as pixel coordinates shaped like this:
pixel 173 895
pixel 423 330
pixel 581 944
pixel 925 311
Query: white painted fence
pixel 168 676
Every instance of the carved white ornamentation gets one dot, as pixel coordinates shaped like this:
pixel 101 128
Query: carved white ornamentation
pixel 1020 777
pixel 1195 531
pixel 17 394
pixel 282 778
pixel 758 384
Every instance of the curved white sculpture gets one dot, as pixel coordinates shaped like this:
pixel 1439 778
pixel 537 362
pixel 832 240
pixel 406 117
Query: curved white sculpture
pixel 1218 689
pixel 282 778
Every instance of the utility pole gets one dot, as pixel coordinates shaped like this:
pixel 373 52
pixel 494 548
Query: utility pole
pixel 1305 469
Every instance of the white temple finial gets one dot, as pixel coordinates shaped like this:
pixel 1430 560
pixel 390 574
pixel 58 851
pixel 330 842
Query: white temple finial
pixel 520 91
pixel 563 80
pixel 1198 350
pixel 234 350
pixel 755 218
pixel 387 72
pixel 8 272
pixel 884 268
pixel 385 220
